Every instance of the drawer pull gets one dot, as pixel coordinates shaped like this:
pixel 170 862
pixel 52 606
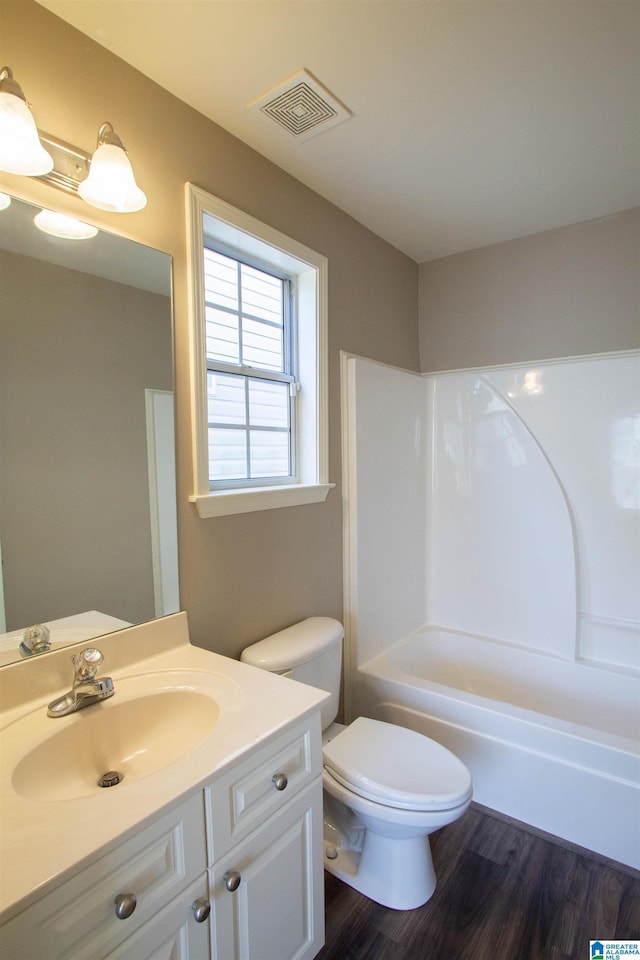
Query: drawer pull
pixel 279 780
pixel 125 905
pixel 232 880
pixel 201 909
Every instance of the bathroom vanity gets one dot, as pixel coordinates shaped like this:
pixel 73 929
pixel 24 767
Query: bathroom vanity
pixel 211 844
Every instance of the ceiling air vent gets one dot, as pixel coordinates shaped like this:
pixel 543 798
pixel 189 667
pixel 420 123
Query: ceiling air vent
pixel 301 106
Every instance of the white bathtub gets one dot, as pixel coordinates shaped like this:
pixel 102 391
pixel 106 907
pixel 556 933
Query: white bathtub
pixel 567 763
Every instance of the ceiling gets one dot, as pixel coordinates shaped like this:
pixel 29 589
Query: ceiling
pixel 473 121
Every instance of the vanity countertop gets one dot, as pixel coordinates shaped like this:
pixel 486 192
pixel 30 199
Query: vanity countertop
pixel 43 841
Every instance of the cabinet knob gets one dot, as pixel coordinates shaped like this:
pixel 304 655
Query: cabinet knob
pixel 125 905
pixel 232 880
pixel 279 780
pixel 201 909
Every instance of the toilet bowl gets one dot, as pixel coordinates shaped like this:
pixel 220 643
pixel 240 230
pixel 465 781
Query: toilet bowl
pixel 401 786
pixel 386 788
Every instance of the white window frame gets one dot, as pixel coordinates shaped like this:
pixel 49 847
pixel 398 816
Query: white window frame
pixel 238 230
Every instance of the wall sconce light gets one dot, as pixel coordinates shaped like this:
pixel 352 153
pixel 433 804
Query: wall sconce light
pixel 111 184
pixel 20 148
pixel 104 180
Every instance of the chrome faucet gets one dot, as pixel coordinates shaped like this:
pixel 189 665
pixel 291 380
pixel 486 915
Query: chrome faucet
pixel 86 688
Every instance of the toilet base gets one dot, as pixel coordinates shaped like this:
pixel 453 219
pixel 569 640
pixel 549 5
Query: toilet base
pixel 395 872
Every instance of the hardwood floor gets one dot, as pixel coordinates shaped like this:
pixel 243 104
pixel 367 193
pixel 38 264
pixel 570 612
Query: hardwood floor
pixel 503 894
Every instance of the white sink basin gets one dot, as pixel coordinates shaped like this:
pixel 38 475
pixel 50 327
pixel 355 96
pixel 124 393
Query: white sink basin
pixel 151 721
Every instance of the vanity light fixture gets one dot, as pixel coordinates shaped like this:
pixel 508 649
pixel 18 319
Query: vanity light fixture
pixel 111 184
pixel 20 148
pixel 104 180
pixel 5 201
pixel 60 225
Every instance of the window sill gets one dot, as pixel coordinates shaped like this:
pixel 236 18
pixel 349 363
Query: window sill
pixel 227 502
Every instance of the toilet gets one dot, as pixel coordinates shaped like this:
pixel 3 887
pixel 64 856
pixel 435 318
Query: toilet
pixel 386 788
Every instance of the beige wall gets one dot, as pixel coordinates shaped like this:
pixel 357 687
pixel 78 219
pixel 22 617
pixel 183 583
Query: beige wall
pixel 243 576
pixel 565 292
pixel 77 353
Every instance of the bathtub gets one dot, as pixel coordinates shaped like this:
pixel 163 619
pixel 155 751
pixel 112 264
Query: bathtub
pixel 566 763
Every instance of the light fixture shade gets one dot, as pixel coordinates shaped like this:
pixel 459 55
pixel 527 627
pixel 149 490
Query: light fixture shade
pixel 5 201
pixel 60 225
pixel 20 148
pixel 111 184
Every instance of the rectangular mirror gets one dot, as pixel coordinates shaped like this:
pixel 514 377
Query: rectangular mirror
pixel 88 532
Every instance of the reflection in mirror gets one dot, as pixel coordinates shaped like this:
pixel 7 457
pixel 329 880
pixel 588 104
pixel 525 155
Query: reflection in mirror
pixel 87 474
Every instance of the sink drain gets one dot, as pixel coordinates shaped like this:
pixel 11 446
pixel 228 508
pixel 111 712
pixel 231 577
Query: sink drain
pixel 110 779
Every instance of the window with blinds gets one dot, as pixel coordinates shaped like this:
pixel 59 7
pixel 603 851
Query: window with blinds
pixel 251 381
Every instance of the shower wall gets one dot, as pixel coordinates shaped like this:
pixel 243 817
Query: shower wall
pixel 502 502
pixel 384 454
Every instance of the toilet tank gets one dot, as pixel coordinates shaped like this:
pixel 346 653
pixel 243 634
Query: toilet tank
pixel 309 651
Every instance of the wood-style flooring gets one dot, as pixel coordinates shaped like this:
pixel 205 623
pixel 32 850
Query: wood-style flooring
pixel 503 893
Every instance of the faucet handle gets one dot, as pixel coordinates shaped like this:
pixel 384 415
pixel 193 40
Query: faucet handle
pixel 87 663
pixel 35 639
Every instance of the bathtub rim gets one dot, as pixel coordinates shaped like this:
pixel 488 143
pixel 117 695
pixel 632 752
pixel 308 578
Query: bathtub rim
pixel 578 744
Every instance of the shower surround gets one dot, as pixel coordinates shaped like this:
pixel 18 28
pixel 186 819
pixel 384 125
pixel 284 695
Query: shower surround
pixel 492 563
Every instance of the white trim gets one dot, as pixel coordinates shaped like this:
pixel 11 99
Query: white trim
pixel 223 503
pixel 196 326
pixel 349 527
pixel 159 406
pixel 243 232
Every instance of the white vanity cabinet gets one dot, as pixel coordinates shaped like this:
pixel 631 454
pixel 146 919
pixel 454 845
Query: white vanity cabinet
pixel 162 867
pixel 234 872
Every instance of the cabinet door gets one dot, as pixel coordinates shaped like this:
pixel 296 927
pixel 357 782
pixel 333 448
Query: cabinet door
pixel 173 934
pixel 276 911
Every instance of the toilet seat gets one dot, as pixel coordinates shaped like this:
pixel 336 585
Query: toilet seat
pixel 396 767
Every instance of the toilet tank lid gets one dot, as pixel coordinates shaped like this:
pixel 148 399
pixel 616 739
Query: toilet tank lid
pixel 294 645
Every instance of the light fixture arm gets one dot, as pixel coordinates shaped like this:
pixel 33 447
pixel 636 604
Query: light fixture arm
pixel 9 85
pixel 106 134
